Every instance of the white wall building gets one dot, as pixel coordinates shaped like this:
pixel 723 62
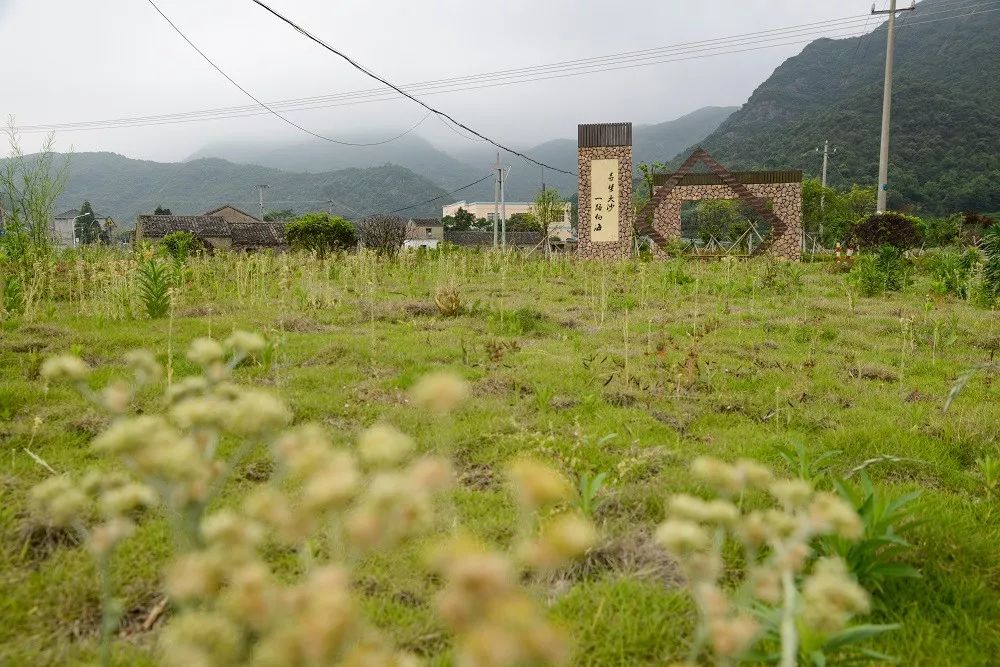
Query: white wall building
pixel 563 229
pixel 63 228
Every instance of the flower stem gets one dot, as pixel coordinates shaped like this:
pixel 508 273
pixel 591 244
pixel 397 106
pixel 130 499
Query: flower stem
pixel 789 638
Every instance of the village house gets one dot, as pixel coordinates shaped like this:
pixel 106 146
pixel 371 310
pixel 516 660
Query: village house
pixel 423 233
pixel 63 229
pixel 223 228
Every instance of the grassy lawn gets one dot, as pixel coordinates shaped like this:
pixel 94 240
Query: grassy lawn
pixel 632 369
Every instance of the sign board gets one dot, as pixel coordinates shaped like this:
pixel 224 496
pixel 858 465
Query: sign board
pixel 605 201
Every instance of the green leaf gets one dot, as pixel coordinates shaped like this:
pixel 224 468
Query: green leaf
pixel 858 633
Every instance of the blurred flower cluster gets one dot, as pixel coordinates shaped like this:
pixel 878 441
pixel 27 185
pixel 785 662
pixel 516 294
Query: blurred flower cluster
pixel 331 506
pixel 808 600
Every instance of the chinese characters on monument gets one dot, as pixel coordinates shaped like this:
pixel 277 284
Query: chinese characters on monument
pixel 604 201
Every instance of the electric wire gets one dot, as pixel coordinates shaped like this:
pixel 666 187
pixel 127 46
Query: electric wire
pixel 399 90
pixel 446 194
pixel 265 106
pixel 379 95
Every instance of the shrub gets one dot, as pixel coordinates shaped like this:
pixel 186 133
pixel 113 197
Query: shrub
pixel 886 271
pixel 382 233
pixel 951 270
pixel 974 226
pixel 180 245
pixel 989 277
pixel 938 232
pixel 895 229
pixel 321 232
pixel 154 288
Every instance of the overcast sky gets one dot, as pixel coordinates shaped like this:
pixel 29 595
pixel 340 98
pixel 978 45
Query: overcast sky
pixel 68 61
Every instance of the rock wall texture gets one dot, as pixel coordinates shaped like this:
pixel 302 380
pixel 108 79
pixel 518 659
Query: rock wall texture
pixel 786 199
pixel 622 249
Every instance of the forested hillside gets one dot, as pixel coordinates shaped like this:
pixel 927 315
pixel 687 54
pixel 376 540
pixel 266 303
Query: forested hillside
pixel 122 187
pixel 945 149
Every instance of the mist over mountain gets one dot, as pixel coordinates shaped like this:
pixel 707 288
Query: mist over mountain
pixel 945 142
pixel 461 166
pixel 122 187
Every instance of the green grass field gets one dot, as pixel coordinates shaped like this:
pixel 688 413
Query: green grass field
pixel 632 369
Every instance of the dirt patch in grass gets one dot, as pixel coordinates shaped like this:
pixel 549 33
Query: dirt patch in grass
pixel 563 403
pixel 90 423
pixel 30 345
pixel 634 555
pixel 203 310
pixel 258 471
pixel 331 355
pixel 479 476
pixel 37 539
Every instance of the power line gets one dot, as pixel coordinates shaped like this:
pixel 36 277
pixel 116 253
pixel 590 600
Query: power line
pixel 399 90
pixel 262 104
pixel 406 208
pixel 379 95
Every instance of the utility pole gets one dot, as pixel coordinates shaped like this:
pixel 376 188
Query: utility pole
pixel 260 194
pixel 890 49
pixel 822 194
pixel 503 209
pixel 496 200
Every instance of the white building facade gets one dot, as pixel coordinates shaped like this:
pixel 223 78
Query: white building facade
pixel 562 229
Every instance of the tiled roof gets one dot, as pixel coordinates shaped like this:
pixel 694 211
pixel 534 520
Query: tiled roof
pixel 225 206
pixel 485 238
pixel 72 213
pixel 202 226
pixel 426 222
pixel 257 234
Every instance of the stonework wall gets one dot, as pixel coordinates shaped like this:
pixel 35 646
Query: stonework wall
pixel 621 249
pixel 785 197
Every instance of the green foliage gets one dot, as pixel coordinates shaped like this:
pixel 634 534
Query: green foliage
pixel 85 227
pixel 951 270
pixel 523 222
pixel 886 271
pixel 990 247
pixel 462 221
pixel 279 215
pixel 161 210
pixel 154 287
pixel 588 488
pixel 938 232
pixel 321 232
pixel 179 245
pixel 12 295
pixel 811 469
pixel 894 229
pixel 874 559
pixel 943 155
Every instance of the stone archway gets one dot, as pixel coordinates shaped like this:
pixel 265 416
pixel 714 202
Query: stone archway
pixel 605 162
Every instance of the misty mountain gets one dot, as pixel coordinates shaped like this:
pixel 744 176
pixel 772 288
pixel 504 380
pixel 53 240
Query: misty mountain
pixel 315 156
pixel 122 188
pixel 450 171
pixel 945 142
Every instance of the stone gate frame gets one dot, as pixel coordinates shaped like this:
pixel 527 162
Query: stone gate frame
pixel 783 189
pixel 605 168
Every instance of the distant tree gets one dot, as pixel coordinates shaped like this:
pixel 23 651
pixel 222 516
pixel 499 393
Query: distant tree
pixel 162 211
pixel 523 222
pixel 108 231
pixel 283 214
pixel 462 221
pixel 719 219
pixel 86 228
pixel 321 232
pixel 384 234
pixel 549 209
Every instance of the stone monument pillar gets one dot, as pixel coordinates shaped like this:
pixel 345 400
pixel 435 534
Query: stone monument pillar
pixel 605 217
